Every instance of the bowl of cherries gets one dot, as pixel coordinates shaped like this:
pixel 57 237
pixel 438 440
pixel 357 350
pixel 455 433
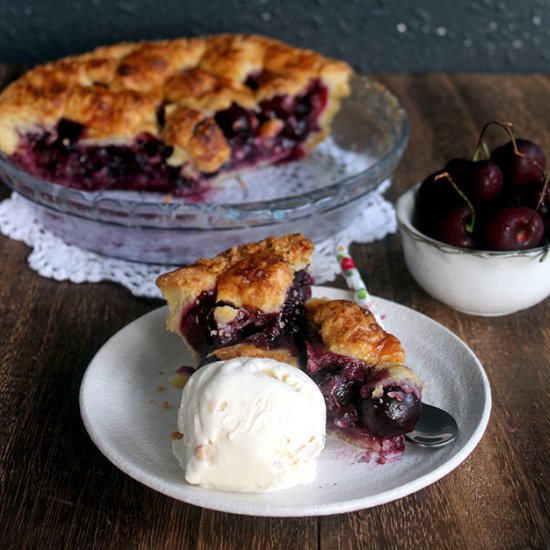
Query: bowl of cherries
pixel 476 233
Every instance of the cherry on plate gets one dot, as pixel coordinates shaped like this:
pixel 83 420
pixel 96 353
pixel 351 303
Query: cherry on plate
pixel 395 413
pixel 485 183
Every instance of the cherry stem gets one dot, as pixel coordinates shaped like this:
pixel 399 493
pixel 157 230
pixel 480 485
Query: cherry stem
pixel 481 145
pixel 544 187
pixel 447 176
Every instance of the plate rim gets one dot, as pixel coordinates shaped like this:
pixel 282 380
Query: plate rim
pixel 286 510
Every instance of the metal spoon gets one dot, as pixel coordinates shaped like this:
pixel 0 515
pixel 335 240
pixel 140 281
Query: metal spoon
pixel 434 428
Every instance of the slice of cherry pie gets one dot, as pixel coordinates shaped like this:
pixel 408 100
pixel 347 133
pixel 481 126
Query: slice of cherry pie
pixel 170 116
pixel 252 293
pixel 254 301
pixel 372 398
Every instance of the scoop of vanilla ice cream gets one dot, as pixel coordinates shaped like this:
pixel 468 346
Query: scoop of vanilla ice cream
pixel 250 424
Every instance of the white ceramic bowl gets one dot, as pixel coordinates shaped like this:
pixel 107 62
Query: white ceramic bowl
pixel 477 282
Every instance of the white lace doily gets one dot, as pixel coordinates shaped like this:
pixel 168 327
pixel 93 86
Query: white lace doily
pixel 54 259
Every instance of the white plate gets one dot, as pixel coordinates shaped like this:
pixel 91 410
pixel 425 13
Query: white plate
pixel 130 417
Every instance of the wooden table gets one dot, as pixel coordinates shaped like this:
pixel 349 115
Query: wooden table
pixel 59 491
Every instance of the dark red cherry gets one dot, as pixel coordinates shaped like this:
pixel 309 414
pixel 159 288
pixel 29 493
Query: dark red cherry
pixel 395 413
pixel 435 195
pixel 345 392
pixel 544 209
pixel 480 180
pixel 485 183
pixel 534 195
pixel 236 121
pixel 460 170
pixel 452 227
pixel 520 168
pixel 514 228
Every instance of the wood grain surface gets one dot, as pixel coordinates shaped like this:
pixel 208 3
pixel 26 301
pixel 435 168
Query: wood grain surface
pixel 58 491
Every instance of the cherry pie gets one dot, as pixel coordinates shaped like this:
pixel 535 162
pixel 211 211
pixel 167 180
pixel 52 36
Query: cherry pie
pixel 252 293
pixel 372 398
pixel 170 116
pixel 254 301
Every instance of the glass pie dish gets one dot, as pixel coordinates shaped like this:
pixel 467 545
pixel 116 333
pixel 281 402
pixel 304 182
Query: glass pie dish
pixel 317 196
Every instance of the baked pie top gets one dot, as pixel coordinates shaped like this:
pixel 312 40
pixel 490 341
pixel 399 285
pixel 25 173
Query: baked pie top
pixel 254 301
pixel 257 275
pixel 169 89
pixel 348 329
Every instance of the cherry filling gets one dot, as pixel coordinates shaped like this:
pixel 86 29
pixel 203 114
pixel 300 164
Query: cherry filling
pixel 60 156
pixel 246 132
pixel 389 407
pixel 394 413
pixel 197 323
pixel 199 328
pixel 358 400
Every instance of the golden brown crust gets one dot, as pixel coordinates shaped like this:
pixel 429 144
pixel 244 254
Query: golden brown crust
pixel 260 281
pixel 102 112
pixel 256 275
pixel 195 137
pixel 348 329
pixel 296 249
pixel 250 350
pixel 116 91
pixel 395 374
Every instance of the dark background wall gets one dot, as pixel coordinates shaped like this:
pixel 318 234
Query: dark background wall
pixel 373 35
